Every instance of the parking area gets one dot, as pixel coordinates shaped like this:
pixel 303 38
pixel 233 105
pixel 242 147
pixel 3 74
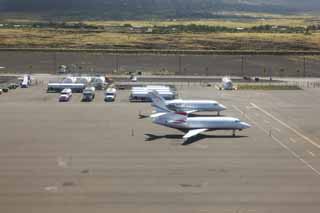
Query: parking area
pixel 81 157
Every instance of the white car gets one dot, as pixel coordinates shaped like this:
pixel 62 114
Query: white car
pixel 110 95
pixel 66 94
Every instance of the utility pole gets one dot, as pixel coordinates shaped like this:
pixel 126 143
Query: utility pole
pixel 117 63
pixel 304 66
pixel 270 74
pixel 179 64
pixel 55 62
pixel 242 65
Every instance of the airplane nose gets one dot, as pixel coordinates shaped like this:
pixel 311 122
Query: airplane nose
pixel 245 125
pixel 222 107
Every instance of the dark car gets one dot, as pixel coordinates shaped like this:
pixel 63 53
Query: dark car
pixel 13 86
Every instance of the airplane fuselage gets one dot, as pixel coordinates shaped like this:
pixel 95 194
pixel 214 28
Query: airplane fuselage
pixel 210 123
pixel 197 105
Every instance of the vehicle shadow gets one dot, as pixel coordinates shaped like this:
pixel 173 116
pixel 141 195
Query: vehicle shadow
pixel 197 138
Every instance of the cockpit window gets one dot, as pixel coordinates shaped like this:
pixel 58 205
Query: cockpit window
pixel 237 121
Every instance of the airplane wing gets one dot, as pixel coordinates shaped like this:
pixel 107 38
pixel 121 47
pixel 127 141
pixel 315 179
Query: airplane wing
pixel 193 132
pixel 157 114
pixel 191 111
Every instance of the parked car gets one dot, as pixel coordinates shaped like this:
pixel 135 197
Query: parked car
pixel 110 95
pixel 13 86
pixel 88 94
pixel 66 95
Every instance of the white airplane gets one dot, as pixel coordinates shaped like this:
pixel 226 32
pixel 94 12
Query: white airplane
pixel 195 125
pixel 188 106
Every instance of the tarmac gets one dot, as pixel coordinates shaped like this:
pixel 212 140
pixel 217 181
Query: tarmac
pixel 95 157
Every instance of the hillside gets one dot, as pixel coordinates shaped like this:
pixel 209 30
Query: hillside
pixel 163 9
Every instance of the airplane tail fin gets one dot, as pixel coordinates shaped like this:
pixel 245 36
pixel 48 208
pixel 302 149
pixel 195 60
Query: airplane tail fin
pixel 158 102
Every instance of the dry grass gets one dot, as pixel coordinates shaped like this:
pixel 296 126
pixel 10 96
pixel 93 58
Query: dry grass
pixel 267 87
pixel 228 41
pixel 285 21
pixel 254 20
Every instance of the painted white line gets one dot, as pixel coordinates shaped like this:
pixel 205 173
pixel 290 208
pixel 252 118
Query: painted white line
pixel 287 126
pixel 241 112
pixel 236 108
pixel 292 140
pixel 294 154
pixel 311 153
pixel 291 151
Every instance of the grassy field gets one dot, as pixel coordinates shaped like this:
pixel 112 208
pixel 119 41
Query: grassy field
pixel 292 22
pixel 239 20
pixel 77 38
pixel 267 87
pixel 202 41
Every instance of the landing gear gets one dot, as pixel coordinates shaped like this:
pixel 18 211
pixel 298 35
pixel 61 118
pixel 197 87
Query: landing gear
pixel 234 133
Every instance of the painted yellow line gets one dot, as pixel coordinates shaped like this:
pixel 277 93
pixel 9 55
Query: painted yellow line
pixel 287 126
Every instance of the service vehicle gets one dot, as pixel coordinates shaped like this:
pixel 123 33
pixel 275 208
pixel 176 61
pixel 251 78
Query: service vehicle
pixel 88 94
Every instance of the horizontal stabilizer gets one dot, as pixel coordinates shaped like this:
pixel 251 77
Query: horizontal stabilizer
pixel 158 114
pixel 194 132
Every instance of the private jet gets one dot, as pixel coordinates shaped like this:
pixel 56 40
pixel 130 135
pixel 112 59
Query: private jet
pixel 192 126
pixel 188 106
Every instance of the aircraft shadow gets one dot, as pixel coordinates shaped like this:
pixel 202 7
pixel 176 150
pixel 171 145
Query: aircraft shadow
pixel 205 115
pixel 152 137
pixel 197 138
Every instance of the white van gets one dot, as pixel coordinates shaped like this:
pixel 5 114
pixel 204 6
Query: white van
pixel 110 95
